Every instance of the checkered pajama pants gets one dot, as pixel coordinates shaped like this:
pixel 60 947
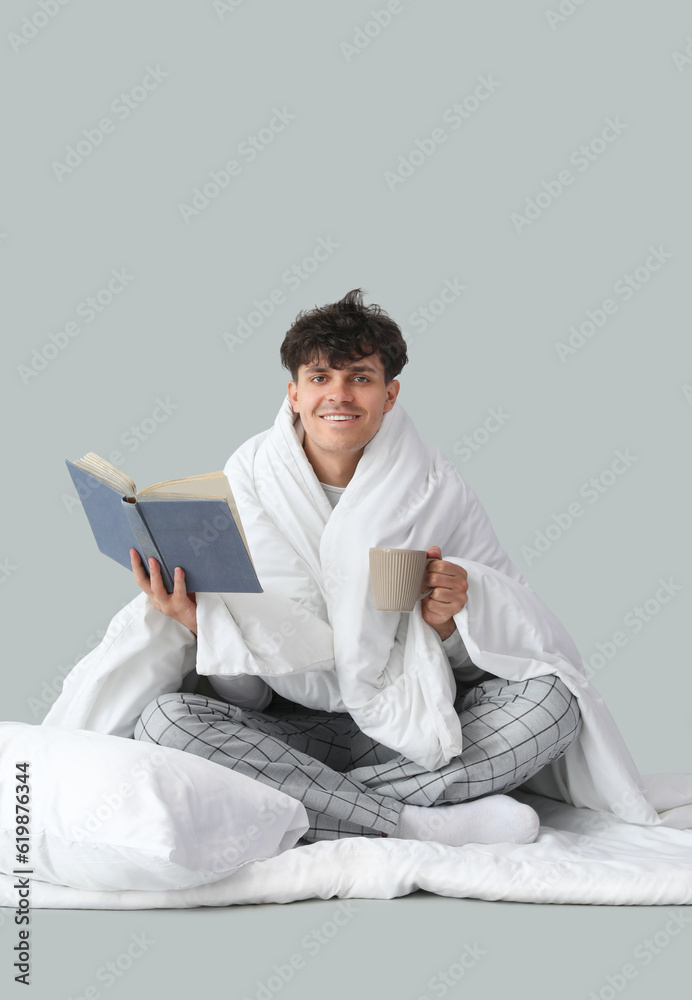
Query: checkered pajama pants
pixel 351 785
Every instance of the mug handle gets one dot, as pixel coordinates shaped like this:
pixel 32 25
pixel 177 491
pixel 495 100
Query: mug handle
pixel 427 593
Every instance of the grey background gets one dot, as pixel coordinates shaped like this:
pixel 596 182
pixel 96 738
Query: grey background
pixel 162 337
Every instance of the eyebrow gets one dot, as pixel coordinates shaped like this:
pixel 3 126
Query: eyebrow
pixel 350 368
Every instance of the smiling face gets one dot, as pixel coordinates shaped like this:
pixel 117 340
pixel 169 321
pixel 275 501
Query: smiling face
pixel 341 410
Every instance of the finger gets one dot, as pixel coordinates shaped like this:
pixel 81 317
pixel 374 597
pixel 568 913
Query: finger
pixel 448 600
pixel 140 574
pixel 156 581
pixel 448 569
pixel 450 595
pixel 449 580
pixel 436 569
pixel 179 590
pixel 442 597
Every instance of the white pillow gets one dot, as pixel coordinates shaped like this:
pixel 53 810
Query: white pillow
pixel 107 812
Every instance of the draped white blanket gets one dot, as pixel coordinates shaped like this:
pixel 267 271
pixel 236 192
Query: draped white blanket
pixel 315 636
pixel 580 857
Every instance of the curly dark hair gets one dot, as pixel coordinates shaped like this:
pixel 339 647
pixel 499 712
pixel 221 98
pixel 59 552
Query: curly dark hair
pixel 342 332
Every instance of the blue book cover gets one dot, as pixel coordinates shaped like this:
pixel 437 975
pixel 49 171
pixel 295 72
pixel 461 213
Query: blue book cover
pixel 192 523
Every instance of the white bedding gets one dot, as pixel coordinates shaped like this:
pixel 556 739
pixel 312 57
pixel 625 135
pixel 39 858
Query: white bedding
pixel 581 856
pixel 608 834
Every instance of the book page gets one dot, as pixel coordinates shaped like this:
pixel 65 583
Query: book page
pixel 99 467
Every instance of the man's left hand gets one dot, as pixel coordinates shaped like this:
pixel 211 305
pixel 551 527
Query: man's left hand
pixel 450 583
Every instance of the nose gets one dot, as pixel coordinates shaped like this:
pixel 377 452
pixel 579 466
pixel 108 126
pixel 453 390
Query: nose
pixel 340 390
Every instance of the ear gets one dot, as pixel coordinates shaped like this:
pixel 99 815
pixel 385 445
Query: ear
pixel 293 396
pixel 392 392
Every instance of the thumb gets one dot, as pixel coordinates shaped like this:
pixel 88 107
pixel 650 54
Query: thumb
pixel 434 552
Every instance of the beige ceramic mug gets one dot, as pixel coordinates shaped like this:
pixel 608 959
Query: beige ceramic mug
pixel 396 576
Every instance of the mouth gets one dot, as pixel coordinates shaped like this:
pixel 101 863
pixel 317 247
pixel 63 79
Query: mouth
pixel 340 418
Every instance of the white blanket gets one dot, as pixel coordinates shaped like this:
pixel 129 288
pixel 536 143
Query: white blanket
pixel 580 857
pixel 315 636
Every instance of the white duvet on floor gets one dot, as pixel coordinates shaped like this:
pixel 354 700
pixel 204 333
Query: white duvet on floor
pixel 581 856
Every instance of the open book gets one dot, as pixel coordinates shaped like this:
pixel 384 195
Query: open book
pixel 192 523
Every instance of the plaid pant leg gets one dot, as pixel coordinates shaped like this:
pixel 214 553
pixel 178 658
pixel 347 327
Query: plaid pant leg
pixel 301 753
pixel 510 729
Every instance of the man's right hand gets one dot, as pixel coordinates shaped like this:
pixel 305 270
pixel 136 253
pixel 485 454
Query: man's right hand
pixel 179 605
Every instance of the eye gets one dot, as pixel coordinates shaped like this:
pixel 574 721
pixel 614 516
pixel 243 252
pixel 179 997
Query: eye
pixel 364 377
pixel 317 376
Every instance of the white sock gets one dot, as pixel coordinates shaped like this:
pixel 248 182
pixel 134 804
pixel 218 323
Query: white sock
pixel 495 819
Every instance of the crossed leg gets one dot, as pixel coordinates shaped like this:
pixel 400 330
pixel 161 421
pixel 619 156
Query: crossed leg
pixel 351 785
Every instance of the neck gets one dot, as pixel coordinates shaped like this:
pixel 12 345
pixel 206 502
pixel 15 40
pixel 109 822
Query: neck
pixel 333 469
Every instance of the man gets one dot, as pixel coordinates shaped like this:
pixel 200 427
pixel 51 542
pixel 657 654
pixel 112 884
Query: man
pixel 343 360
